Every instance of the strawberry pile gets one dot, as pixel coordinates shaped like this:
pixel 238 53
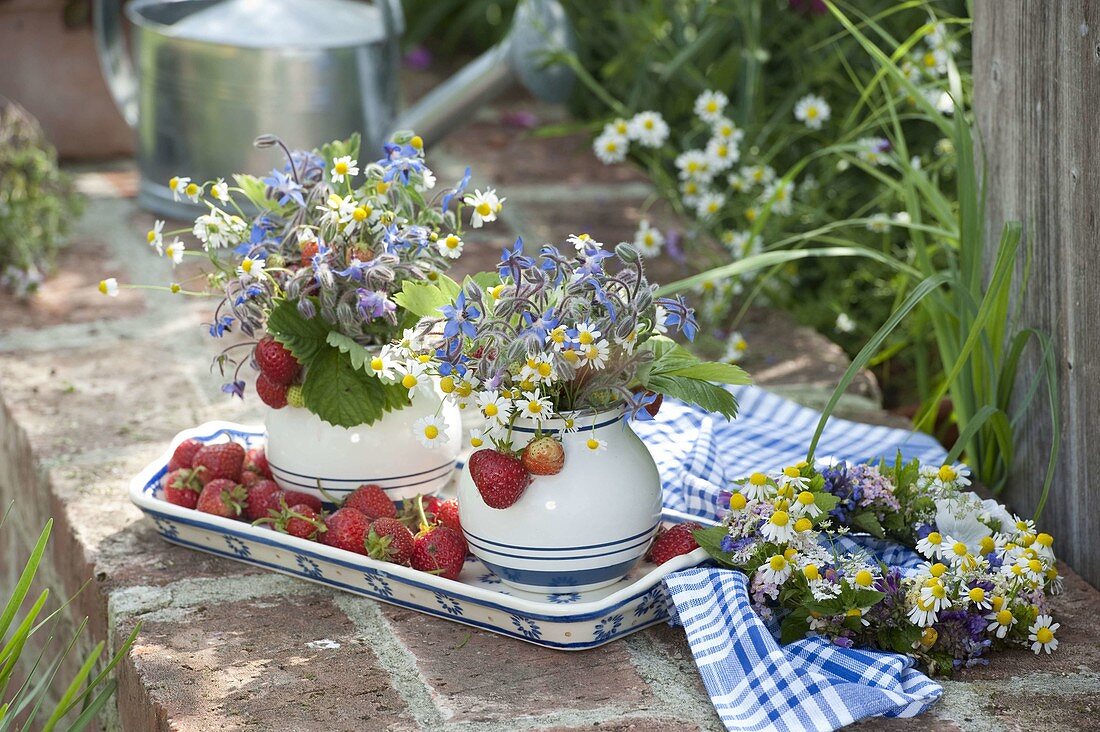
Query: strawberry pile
pixel 227 480
pixel 279 371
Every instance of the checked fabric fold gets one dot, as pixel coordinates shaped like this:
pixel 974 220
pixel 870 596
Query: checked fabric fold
pixel 755 683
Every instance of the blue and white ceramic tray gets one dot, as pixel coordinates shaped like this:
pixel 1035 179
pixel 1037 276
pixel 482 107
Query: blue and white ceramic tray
pixel 568 621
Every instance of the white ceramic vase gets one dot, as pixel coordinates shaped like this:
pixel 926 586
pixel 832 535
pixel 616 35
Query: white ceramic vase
pixel 581 529
pixel 306 453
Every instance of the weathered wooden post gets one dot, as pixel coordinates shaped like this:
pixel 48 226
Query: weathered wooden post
pixel 1037 104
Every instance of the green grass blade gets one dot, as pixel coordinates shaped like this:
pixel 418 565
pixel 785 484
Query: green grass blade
pixel 15 601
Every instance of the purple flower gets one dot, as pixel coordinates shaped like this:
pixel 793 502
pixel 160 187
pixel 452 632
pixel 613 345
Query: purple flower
pixel 221 326
pixel 843 641
pixel 374 304
pixel 234 388
pixel 460 318
pixel 541 325
pixel 513 261
pixel 283 188
pixel 356 269
pixel 521 119
pixel 419 58
pixel 400 160
pixel 456 191
pixel 679 315
pixel 673 248
pixel 636 407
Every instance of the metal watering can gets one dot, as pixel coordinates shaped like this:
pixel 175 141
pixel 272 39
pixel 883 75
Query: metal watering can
pixel 211 75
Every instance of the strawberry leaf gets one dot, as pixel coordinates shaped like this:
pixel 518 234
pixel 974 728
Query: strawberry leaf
pixel 421 298
pixel 700 393
pixel 357 354
pixel 304 338
pixel 345 396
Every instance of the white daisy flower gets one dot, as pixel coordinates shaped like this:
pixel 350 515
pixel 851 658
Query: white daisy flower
pixel 878 223
pixel 557 338
pixel 535 407
pixel 1041 634
pixel 538 368
pixel 792 476
pixel 710 205
pixel 722 154
pixel 976 596
pixel 595 354
pixel 742 243
pixel 1000 622
pixel 155 236
pixel 812 111
pixel 781 196
pixel 805 504
pixel 336 210
pixel 478 437
pixel 778 529
pixel 415 378
pixel 660 315
pixel 709 105
pixel 220 190
pixel 935 596
pixel 486 207
pixel 587 334
pixel 648 129
pixel 922 614
pixel 450 246
pixel 618 126
pixel 175 250
pixel 179 187
pixel 250 269
pixel 735 348
pixel 756 488
pixel 109 287
pixel 844 323
pixel 931 546
pixel 581 242
pixel 647 240
pixel 384 364
pixel 694 165
pixel 426 181
pixel 758 175
pixel 217 229
pixel 344 167
pixel 431 430
pixel 724 129
pixel 611 147
pixel 595 444
pixel 873 150
pixel 494 406
pixel 776 570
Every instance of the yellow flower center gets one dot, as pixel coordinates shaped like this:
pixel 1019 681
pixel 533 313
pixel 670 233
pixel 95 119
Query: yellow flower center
pixel 381 187
pixel 758 479
pixel 173 183
pixel 431 432
pixel 1045 540
pixel 377 364
pixel 476 442
pixel 174 288
pixel 447 384
pixel 947 473
pixel 854 612
pixel 1035 566
pixel 976 595
pixel 408 381
pixel 778 563
pixel 738 501
pixel 803 524
pixel 585 338
pixel 937 569
pixel 1044 635
pixel 780 518
pixel 938 591
pixel 811 113
pixel 192 189
pixel 864 578
pixel 988 544
pixel 935 539
pixel 959 548
pixel 789 553
pixel 484 209
pixel 151 236
pixel 792 472
pixel 452 242
pixel 570 356
pixel 1004 617
pixel 997 602
pixel 806 498
pixel 712 106
pixel 929 636
pixel 341 168
pixel 593 443
pixel 246 265
pixel 544 369
pixel 534 407
pixel 491 410
pixel 648 124
pixel 464 389
pixel 812 572
pixel 360 214
pixel 417 141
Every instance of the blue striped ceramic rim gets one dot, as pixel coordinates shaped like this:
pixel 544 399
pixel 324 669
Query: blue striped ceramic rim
pixel 563 548
pixel 558 430
pixel 561 579
pixel 433 475
pixel 611 550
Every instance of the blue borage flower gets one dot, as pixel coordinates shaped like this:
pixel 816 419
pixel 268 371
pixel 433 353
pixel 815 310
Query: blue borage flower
pixel 455 192
pixel 460 318
pixel 221 326
pixel 284 188
pixel 400 161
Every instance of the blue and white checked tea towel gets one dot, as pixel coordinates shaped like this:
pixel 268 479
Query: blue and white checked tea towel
pixel 754 683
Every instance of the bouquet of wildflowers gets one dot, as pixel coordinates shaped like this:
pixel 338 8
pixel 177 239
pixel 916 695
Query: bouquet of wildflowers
pixel 985 580
pixel 555 336
pixel 312 256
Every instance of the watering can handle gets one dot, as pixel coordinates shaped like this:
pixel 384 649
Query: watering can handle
pixel 118 69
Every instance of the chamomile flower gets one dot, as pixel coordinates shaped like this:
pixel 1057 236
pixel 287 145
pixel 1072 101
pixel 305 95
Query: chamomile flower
pixel 534 406
pixel 180 187
pixel 611 147
pixel 426 181
pixel 415 378
pixel 724 129
pixel 557 338
pixel 478 437
pixel 873 150
pixel 539 368
pixel 647 240
pixel 486 206
pixel 595 355
pixel 587 334
pixel 109 287
pixel 709 205
pixel 250 269
pixel 976 596
pixel 155 236
pixel 343 168
pixel 217 229
pixel 450 246
pixel 781 196
pixel 792 476
pixel 742 243
pixel 1041 634
pixel 935 595
pixel 757 487
pixel 337 210
pixel 812 111
pixel 1000 622
pixel 648 129
pixel 844 323
pixel 735 347
pixel 709 105
pixel 220 190
pixel 694 165
pixel 494 406
pixel 660 316
pixel 617 126
pixel 957 476
pixel 175 250
pixel 776 570
pixel 759 175
pixel 922 614
pixel 931 546
pixel 595 444
pixel 878 223
pixel 778 529
pixel 431 430
pixel 722 154
pixel 581 242
pixel 384 364
pixel 805 504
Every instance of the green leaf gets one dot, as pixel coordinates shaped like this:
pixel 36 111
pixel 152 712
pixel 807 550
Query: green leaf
pixel 825 501
pixel 795 626
pixel 485 280
pixel 304 338
pixel 357 354
pixel 255 190
pixel 711 540
pixel 724 373
pixel 448 287
pixel 422 299
pixel 866 521
pixel 345 396
pixel 701 393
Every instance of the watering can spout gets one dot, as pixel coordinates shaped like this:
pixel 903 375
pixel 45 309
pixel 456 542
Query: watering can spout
pixel 540 28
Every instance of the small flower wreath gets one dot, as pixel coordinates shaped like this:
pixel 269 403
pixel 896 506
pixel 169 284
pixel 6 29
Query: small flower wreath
pixel 895 557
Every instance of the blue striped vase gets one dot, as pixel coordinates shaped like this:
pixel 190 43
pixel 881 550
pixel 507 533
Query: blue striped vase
pixel 579 530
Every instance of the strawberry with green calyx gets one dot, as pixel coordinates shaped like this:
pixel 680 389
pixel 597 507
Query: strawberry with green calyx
pixel 346 529
pixel 264 499
pixel 371 501
pixel 500 477
pixel 183 455
pixel 223 497
pixel 182 487
pixel 219 461
pixel 293 497
pixel 543 456
pixel 438 549
pixel 276 363
pixel 298 520
pixel 673 542
pixel 411 510
pixel 249 479
pixel 390 541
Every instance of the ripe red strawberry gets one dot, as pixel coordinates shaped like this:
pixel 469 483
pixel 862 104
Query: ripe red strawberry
pixel 309 249
pixel 223 460
pixel 255 460
pixel 347 529
pixel 500 478
pixel 303 522
pixel 673 542
pixel 183 455
pixel 543 456
pixel 447 514
pixel 276 362
pixel 270 393
pixel 264 498
pixel 249 479
pixel 390 541
pixel 308 499
pixel 372 502
pixel 439 550
pixel 182 487
pixel 223 497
